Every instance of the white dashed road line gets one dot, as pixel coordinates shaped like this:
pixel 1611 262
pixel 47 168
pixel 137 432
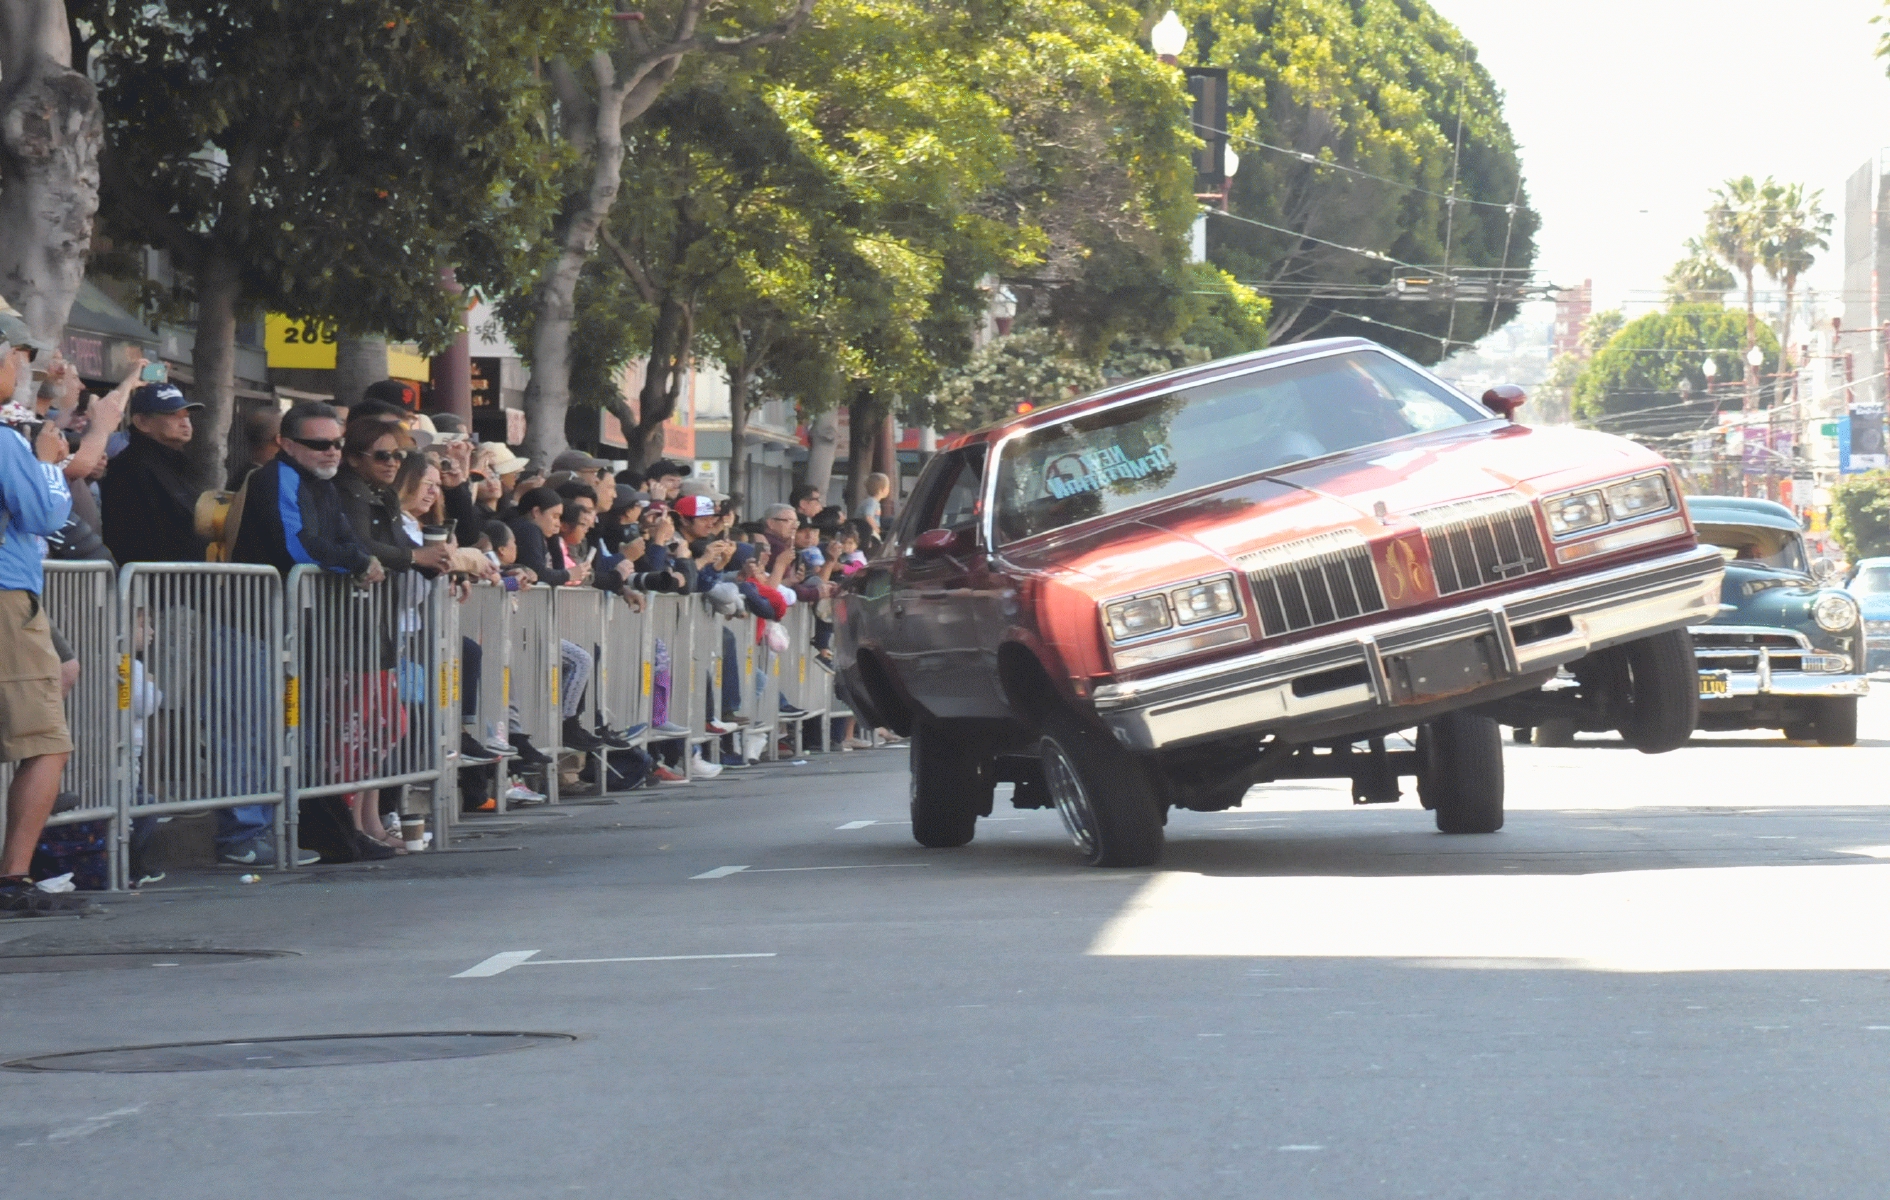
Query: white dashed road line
pixel 502 962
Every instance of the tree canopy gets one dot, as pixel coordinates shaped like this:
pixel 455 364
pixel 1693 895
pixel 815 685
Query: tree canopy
pixel 1643 366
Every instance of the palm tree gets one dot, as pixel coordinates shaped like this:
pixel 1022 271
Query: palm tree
pixel 1799 229
pixel 1698 277
pixel 1737 229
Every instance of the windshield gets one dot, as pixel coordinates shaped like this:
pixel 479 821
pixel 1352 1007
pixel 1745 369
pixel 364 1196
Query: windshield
pixel 1780 548
pixel 1165 445
pixel 1872 581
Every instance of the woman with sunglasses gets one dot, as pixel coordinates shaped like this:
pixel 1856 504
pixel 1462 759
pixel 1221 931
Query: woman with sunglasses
pixel 371 456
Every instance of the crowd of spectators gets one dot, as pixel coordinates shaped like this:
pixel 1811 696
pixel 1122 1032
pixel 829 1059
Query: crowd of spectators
pixel 389 498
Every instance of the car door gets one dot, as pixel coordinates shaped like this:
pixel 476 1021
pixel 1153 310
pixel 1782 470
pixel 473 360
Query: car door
pixel 938 640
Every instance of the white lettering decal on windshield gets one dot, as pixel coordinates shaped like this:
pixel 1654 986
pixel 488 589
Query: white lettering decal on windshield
pixel 1092 470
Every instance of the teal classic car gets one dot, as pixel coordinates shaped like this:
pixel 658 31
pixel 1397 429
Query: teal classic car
pixel 1784 652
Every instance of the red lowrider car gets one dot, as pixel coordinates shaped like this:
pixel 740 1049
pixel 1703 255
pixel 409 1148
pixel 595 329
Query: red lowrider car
pixel 1161 594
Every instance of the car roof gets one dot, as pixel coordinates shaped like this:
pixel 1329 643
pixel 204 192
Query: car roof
pixel 1741 510
pixel 1155 385
pixel 1872 562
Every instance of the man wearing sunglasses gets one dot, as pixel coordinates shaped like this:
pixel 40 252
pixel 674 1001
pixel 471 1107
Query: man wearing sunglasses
pixel 293 513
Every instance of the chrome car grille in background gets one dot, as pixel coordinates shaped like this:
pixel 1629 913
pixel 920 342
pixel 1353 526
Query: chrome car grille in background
pixel 1474 543
pixel 1736 649
pixel 1314 581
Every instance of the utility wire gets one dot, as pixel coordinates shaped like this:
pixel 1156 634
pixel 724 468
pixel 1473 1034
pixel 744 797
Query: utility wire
pixel 1371 254
pixel 1315 161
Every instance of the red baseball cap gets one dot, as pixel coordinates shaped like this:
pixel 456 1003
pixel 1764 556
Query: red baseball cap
pixel 694 506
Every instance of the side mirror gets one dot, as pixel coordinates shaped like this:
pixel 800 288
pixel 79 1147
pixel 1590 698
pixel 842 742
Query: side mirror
pixel 935 543
pixel 1504 400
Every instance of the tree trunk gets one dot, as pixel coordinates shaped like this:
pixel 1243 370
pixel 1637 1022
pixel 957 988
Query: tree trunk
pixel 823 443
pixel 739 380
pixel 358 362
pixel 662 379
pixel 51 127
pixel 213 362
pixel 1752 339
pixel 865 414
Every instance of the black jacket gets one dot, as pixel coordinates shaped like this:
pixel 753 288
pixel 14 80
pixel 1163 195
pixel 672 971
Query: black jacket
pixel 534 553
pixel 149 506
pixel 373 513
pixel 291 517
pixel 469 524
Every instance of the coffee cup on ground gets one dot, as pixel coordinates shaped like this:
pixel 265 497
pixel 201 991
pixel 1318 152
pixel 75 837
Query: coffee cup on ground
pixel 413 831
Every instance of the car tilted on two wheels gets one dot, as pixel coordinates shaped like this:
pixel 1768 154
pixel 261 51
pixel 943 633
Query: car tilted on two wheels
pixel 1262 568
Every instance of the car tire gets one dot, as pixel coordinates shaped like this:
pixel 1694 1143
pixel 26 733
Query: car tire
pixel 1460 772
pixel 1837 721
pixel 1801 731
pixel 951 786
pixel 1662 703
pixel 1102 793
pixel 1559 731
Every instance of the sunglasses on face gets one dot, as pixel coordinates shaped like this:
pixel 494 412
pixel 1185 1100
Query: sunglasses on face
pixel 383 456
pixel 319 444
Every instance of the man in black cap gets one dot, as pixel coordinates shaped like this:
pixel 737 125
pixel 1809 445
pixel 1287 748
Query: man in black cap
pixel 147 501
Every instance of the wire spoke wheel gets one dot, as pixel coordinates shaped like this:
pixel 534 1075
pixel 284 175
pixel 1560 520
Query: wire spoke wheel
pixel 1066 788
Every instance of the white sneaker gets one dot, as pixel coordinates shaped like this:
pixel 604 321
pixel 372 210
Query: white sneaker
pixel 518 793
pixel 702 768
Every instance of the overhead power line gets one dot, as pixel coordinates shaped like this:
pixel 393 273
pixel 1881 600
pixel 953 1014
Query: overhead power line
pixel 1315 161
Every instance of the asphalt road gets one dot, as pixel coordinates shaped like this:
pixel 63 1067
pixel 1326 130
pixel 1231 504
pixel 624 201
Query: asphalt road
pixel 1666 977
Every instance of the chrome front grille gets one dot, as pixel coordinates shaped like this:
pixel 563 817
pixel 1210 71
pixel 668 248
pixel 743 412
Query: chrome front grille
pixel 1314 581
pixel 1475 543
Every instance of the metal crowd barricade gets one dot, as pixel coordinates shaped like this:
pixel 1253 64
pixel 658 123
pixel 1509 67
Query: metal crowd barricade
pixel 583 617
pixel 676 674
pixel 486 619
pixel 199 714
pixel 623 673
pixel 534 675
pixel 81 603
pixel 803 681
pixel 370 699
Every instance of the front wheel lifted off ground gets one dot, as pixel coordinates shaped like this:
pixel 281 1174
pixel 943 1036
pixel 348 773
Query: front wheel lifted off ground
pixel 951 785
pixel 1460 772
pixel 1102 793
pixel 1663 692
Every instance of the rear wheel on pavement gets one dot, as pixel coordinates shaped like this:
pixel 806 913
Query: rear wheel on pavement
pixel 1837 721
pixel 1662 700
pixel 1102 793
pixel 1460 772
pixel 1801 731
pixel 951 785
pixel 1523 735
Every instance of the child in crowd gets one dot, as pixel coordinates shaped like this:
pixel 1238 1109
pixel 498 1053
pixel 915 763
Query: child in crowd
pixel 877 487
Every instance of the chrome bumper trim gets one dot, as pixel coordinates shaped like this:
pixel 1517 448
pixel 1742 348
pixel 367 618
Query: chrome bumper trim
pixel 1747 684
pixel 1255 690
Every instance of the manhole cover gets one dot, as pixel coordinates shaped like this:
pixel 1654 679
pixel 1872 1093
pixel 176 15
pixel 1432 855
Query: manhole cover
pixel 336 1050
pixel 124 960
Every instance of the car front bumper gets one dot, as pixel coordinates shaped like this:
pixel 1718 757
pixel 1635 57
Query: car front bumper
pixel 1365 677
pixel 1743 686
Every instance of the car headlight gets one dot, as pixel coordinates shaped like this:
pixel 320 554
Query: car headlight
pixel 1133 618
pixel 1574 513
pixel 1834 612
pixel 1206 601
pixel 1638 497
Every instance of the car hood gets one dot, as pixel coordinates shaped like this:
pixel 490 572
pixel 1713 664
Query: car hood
pixel 1875 605
pixel 1204 533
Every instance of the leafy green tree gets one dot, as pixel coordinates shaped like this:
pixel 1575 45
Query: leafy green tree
pixel 1699 277
pixel 325 158
pixel 1029 367
pixel 1388 146
pixel 1860 514
pixel 1643 365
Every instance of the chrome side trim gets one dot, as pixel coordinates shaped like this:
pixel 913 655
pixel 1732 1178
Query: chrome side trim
pixel 1747 685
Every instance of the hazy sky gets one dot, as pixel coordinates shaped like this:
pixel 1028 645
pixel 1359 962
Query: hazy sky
pixel 1628 111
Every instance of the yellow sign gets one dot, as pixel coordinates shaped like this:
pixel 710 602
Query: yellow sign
pixel 124 681
pixel 292 702
pixel 304 344
pixel 505 686
pixel 404 361
pixel 647 678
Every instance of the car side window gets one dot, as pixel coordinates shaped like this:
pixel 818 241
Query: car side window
pixel 960 509
pixel 933 482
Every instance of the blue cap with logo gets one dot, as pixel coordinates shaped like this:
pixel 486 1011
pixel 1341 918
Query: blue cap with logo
pixel 158 398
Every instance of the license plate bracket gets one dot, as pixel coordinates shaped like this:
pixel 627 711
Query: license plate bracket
pixel 1715 684
pixel 1447 669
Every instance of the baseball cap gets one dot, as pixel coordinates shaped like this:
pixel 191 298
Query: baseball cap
pixel 666 466
pixel 694 506
pixel 157 398
pixel 700 487
pixel 15 331
pixel 577 460
pixel 393 391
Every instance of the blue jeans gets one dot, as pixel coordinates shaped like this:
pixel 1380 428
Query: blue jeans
pixel 239 739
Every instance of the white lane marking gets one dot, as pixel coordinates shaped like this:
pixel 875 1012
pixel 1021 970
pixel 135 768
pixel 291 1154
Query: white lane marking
pixel 573 962
pixel 279 1112
pixel 719 873
pixel 498 964
pixel 1289 1148
pixel 1877 1027
pixel 854 825
pixel 92 1125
